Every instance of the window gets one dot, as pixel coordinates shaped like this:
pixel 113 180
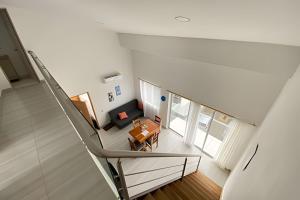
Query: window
pixel 204 120
pixel 151 99
pixel 179 114
pixel 211 130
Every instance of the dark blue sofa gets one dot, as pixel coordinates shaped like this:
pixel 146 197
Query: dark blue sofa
pixel 132 110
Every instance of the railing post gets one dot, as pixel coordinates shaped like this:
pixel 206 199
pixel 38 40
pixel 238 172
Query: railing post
pixel 122 180
pixel 198 163
pixel 184 165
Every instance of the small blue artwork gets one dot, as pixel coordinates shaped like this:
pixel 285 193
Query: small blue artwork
pixel 163 98
pixel 118 90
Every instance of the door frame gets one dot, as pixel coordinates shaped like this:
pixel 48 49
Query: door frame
pixel 90 102
pixel 170 111
pixel 12 30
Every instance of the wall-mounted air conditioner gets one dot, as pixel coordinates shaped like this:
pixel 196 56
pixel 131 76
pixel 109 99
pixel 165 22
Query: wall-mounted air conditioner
pixel 112 78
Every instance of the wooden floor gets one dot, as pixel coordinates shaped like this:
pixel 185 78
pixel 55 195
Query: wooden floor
pixel 195 186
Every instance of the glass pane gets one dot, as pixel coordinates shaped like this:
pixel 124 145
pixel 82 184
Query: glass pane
pixel 205 116
pixel 179 114
pixel 217 133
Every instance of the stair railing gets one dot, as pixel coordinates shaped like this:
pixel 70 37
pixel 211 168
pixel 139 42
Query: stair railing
pixel 85 131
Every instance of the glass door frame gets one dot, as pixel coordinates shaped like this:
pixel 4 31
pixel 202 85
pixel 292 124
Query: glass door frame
pixel 206 136
pixel 170 111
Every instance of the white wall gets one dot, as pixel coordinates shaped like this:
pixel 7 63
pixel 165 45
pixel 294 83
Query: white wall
pixel 274 171
pixel 239 78
pixel 78 54
pixel 244 94
pixel 259 57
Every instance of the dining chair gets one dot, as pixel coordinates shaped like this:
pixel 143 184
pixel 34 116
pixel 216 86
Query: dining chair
pixel 136 123
pixel 157 119
pixel 152 140
pixel 136 145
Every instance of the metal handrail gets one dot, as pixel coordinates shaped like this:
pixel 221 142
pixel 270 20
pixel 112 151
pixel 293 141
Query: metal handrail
pixel 148 181
pixel 151 170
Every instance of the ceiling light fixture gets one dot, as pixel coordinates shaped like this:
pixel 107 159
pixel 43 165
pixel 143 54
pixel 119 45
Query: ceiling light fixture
pixel 182 19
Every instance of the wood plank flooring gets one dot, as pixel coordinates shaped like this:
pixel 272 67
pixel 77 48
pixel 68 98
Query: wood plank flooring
pixel 195 186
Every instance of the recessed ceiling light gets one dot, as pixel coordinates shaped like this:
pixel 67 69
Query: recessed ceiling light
pixel 182 19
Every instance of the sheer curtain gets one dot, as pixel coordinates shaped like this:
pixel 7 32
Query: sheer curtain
pixel 191 129
pixel 238 137
pixel 150 95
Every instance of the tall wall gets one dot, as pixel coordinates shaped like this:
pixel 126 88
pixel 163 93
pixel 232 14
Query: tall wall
pixel 239 78
pixel 274 171
pixel 78 54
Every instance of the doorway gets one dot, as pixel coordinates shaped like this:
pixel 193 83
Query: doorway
pixel 13 58
pixel 84 104
pixel 179 112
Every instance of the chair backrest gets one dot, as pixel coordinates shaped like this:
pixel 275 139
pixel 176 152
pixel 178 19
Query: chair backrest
pixel 136 123
pixel 155 137
pixel 132 145
pixel 157 119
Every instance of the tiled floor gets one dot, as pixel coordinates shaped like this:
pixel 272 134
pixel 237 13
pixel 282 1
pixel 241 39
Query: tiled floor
pixel 115 139
pixel 41 156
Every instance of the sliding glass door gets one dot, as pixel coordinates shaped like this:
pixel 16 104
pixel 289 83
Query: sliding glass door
pixel 212 130
pixel 204 120
pixel 179 114
pixel 217 133
pixel 211 126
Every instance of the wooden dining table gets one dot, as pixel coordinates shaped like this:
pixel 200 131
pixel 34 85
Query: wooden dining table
pixel 151 127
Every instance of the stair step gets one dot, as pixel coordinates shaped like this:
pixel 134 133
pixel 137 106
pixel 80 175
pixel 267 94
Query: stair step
pixel 205 182
pixel 149 197
pixel 171 193
pixel 160 195
pixel 187 190
pixel 202 192
pixel 183 194
pixel 195 186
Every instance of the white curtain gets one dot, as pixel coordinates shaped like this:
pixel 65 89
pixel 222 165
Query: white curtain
pixel 238 137
pixel 150 95
pixel 192 122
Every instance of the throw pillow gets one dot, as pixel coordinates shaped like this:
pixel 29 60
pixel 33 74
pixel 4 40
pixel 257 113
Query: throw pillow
pixel 123 115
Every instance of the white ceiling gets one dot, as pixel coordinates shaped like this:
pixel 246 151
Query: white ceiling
pixel 271 21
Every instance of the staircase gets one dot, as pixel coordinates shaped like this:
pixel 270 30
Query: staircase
pixel 195 186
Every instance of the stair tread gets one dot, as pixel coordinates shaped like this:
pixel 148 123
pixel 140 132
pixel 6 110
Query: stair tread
pixel 149 197
pixel 160 195
pixel 171 193
pixel 205 182
pixel 202 192
pixel 194 186
pixel 190 194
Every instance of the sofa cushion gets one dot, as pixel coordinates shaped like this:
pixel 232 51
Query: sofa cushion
pixel 123 115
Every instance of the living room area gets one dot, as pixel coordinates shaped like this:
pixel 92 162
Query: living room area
pixel 161 121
